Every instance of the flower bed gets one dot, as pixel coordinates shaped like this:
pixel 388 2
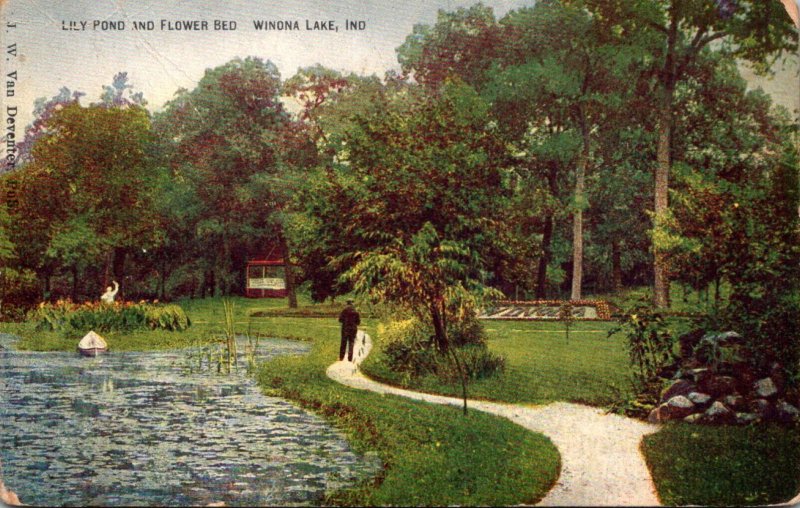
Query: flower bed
pixel 75 319
pixel 546 309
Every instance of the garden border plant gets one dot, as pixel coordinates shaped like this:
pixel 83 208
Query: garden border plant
pixel 74 319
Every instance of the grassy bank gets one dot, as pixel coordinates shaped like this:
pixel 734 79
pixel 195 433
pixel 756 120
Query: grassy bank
pixel 432 455
pixel 206 316
pixel 724 466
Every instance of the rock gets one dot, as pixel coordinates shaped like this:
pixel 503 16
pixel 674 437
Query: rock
pixel 717 386
pixel 718 413
pixel 679 387
pixel 700 398
pixel 786 412
pixel 698 371
pixel 762 408
pixel 702 375
pixel 729 337
pixel 765 388
pixel 735 402
pixel 658 414
pixel 679 407
pixel 693 418
pixel 745 418
pixel 668 372
pixel 778 376
pixel 719 349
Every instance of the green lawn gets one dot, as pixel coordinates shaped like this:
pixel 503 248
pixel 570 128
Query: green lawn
pixel 724 466
pixel 541 365
pixel 682 300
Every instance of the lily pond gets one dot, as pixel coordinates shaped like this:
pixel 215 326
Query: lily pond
pixel 139 428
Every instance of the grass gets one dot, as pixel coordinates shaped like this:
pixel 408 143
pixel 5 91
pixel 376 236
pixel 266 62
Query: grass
pixel 541 366
pixel 724 466
pixel 432 455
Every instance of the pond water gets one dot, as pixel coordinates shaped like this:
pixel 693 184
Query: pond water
pixel 137 428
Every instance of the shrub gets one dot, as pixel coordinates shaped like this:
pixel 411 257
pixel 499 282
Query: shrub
pixel 166 317
pixel 466 332
pixel 409 349
pixel 76 319
pixel 18 293
pixel 649 344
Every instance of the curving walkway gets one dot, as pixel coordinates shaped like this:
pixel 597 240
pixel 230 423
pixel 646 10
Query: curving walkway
pixel 601 464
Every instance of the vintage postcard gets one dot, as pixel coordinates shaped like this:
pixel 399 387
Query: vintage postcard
pixel 433 253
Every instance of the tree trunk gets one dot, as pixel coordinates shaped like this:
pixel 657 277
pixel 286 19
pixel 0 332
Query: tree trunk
pixel 660 269
pixel 577 225
pixel 616 265
pixel 209 282
pixel 547 237
pixel 291 292
pixel 74 283
pixel 439 328
pixel 668 79
pixel 544 258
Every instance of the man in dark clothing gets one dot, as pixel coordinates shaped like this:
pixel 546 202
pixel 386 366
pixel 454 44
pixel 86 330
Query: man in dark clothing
pixel 350 321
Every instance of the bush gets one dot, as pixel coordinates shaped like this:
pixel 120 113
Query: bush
pixel 467 332
pixel 649 344
pixel 166 317
pixel 409 349
pixel 76 319
pixel 18 293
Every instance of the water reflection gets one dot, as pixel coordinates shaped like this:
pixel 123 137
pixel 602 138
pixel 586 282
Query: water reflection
pixel 135 428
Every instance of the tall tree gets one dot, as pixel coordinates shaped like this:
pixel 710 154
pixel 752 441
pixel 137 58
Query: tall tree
pixel 752 30
pixel 330 103
pixel 422 182
pixel 237 146
pixel 86 191
pixel 561 64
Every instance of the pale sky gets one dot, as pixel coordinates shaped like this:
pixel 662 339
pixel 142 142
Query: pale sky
pixel 160 62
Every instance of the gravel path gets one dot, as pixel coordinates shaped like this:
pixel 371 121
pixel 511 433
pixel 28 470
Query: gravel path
pixel 601 464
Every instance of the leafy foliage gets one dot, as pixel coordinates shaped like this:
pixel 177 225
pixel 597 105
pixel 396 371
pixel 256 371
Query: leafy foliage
pixel 649 343
pixel 408 349
pixel 74 320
